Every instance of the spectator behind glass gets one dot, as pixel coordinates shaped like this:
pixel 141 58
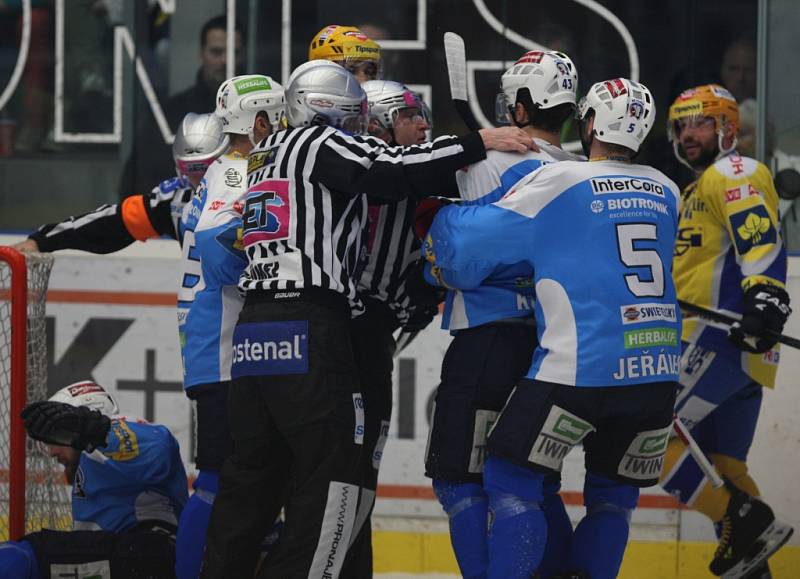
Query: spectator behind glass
pixel 738 69
pixel 151 160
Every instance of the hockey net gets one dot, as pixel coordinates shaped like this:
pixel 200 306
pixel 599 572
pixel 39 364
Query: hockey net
pixel 33 493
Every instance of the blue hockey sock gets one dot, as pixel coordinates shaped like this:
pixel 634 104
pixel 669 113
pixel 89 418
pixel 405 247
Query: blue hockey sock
pixel 191 539
pixel 18 560
pixel 601 537
pixel 467 509
pixel 519 530
pixel 559 530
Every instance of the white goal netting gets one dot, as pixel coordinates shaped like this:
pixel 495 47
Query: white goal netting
pixel 47 497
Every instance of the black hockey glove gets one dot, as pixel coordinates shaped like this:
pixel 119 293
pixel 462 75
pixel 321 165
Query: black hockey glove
pixel 766 307
pixel 419 320
pixel 421 293
pixel 64 425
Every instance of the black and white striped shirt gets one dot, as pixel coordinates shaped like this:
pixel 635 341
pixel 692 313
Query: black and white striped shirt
pixel 391 248
pixel 305 211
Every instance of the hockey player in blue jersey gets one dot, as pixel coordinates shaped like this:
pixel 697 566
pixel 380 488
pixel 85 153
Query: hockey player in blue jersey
pixel 250 107
pixel 599 238
pixel 493 325
pixel 128 490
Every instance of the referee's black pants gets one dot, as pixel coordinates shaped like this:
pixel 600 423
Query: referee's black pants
pixel 373 347
pixel 297 426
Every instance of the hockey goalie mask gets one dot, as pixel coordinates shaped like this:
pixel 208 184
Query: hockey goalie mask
pixel 348 47
pixel 710 103
pixel 88 394
pixel 549 77
pixel 323 93
pixel 198 142
pixel 624 112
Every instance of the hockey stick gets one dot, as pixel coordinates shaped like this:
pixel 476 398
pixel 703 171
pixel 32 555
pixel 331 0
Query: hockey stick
pixel 719 317
pixel 697 454
pixel 456 56
pixel 403 340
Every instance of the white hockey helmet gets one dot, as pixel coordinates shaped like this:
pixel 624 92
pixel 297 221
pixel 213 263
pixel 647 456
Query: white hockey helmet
pixel 88 394
pixel 624 111
pixel 386 98
pixel 199 140
pixel 550 78
pixel 241 98
pixel 321 92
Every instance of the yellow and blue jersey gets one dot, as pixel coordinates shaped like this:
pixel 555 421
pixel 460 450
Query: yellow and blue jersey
pixel 728 241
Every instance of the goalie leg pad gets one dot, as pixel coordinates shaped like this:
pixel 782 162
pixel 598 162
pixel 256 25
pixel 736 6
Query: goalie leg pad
pixel 602 535
pixel 466 506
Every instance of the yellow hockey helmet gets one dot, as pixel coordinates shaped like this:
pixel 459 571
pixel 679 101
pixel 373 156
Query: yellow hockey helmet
pixel 344 45
pixel 704 101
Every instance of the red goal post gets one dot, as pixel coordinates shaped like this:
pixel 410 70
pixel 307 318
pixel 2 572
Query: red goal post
pixel 32 492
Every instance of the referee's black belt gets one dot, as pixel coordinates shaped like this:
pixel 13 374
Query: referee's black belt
pixel 324 297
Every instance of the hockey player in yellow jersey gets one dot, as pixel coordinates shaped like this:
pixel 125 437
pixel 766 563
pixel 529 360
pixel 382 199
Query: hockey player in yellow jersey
pixel 729 256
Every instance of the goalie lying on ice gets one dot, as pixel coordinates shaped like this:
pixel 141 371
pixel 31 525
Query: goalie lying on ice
pixel 128 489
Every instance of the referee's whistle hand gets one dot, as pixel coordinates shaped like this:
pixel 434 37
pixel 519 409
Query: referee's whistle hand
pixel 512 139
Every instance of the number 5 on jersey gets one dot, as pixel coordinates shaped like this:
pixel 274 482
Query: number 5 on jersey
pixel 630 240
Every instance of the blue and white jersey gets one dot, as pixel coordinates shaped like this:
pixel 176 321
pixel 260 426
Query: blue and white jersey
pixel 508 292
pixel 209 302
pixel 138 476
pixel 599 237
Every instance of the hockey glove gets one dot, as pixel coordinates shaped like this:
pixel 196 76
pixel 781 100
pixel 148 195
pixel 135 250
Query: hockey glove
pixel 766 307
pixel 64 425
pixel 426 212
pixel 419 320
pixel 422 293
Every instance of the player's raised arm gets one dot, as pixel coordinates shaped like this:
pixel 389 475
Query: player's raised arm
pixel 109 228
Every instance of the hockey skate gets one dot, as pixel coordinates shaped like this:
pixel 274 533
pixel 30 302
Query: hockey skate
pixel 750 535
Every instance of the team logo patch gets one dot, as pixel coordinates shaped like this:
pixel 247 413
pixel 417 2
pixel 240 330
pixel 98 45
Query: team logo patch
pixel 604 185
pixel 253 84
pixel 92 570
pixel 484 420
pixel 84 388
pixel 267 212
pixel 650 337
pixel 257 160
pixel 650 312
pixel 752 227
pixel 270 349
pixel 128 448
pixel 561 431
pixel 645 456
pixel 232 177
